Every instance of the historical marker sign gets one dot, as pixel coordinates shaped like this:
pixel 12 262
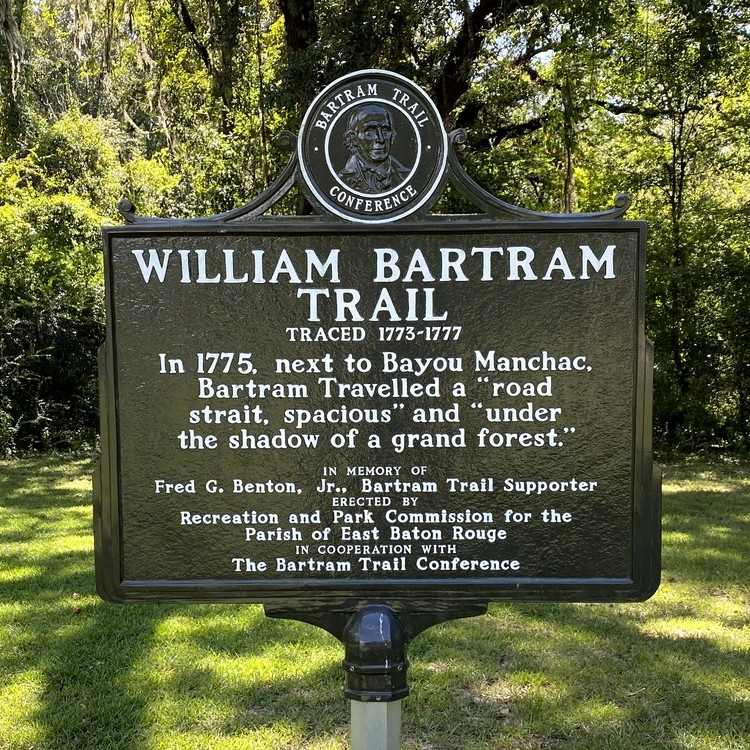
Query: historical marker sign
pixel 435 409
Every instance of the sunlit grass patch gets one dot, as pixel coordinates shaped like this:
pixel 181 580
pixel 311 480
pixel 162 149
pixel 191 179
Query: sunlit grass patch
pixel 76 673
pixel 19 695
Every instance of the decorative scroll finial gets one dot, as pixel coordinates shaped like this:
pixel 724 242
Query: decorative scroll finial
pixel 372 149
pixel 498 209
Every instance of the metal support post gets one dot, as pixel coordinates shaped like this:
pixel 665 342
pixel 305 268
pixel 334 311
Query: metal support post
pixel 375 726
pixel 375 667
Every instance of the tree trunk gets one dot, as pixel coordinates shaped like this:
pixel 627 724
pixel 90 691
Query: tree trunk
pixel 11 56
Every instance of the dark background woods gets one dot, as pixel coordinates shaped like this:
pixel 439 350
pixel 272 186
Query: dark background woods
pixel 175 104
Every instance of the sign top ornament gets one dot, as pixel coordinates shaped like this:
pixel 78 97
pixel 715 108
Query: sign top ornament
pixel 372 150
pixel 372 147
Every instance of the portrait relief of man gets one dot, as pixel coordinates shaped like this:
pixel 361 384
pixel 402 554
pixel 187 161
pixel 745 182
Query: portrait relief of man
pixel 369 135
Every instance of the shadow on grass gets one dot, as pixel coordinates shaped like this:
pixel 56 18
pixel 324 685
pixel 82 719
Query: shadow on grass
pixel 74 653
pixel 672 673
pixel 524 677
pixel 707 536
pixel 251 695
pixel 573 676
pixel 103 675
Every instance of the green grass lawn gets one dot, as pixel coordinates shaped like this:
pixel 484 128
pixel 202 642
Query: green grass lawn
pixel 79 674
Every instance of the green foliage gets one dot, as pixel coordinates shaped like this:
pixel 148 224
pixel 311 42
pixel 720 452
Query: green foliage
pixel 54 198
pixel 174 104
pixel 77 156
pixel 51 323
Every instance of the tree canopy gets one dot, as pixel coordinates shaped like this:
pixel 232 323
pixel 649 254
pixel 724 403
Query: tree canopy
pixel 174 104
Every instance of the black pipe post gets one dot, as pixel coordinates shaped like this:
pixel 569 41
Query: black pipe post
pixel 375 665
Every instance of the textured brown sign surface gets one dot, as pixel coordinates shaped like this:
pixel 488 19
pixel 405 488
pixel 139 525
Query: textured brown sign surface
pixel 378 411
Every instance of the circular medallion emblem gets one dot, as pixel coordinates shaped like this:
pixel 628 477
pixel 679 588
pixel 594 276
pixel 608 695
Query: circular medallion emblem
pixel 372 147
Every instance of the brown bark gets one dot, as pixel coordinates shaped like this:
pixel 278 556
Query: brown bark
pixel 300 24
pixel 11 43
pixel 224 24
pixel 11 57
pixel 455 78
